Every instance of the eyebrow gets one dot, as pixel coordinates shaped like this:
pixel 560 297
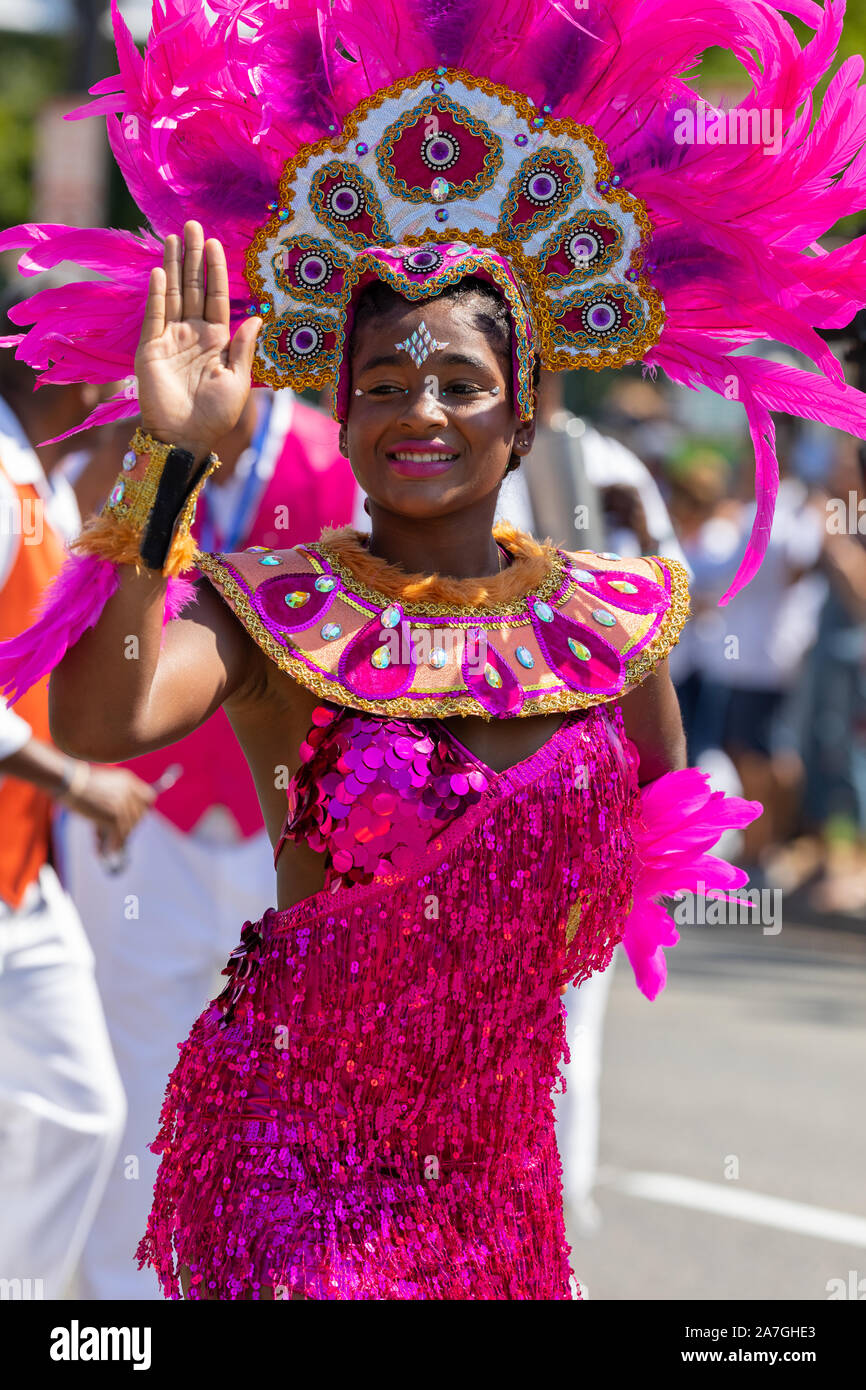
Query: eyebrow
pixel 450 359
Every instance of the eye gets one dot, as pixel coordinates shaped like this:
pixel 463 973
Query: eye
pixel 382 388
pixel 465 388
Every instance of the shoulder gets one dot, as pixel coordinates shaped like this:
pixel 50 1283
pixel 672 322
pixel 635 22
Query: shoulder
pixel 239 575
pixel 632 583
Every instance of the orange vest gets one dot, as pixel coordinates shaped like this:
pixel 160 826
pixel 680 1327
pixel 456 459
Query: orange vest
pixel 25 810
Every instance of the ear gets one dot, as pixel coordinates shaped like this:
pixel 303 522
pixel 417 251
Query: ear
pixel 524 437
pixel 342 443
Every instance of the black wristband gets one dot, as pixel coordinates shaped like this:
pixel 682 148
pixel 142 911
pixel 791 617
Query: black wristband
pixel 179 478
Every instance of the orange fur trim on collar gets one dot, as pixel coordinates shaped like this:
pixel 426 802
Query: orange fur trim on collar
pixel 530 565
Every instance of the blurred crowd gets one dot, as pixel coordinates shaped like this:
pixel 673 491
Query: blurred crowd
pixel 772 684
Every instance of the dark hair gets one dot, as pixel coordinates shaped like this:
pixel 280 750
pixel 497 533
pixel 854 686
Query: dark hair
pixel 493 318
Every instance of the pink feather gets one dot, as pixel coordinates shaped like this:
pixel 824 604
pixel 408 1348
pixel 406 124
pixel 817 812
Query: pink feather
pixel 71 604
pixel 202 122
pixel 680 818
pixel 67 608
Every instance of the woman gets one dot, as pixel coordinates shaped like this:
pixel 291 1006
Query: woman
pixel 462 739
pixel 477 1116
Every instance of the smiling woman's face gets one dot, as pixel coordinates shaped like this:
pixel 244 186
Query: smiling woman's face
pixel 455 406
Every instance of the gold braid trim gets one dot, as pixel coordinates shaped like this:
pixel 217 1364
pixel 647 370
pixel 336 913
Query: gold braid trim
pixel 441 706
pixel 671 627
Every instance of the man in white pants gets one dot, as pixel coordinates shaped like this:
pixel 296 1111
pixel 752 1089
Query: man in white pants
pixel 61 1101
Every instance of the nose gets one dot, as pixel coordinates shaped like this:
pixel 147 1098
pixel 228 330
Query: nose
pixel 422 403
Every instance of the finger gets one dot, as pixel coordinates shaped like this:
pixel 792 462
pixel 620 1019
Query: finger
pixel 216 304
pixel 154 310
pixel 173 300
pixel 243 346
pixel 193 271
pixel 112 841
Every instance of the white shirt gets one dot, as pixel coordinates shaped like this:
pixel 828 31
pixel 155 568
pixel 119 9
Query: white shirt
pixel 759 639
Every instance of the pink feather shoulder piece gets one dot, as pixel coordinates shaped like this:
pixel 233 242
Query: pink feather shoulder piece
pixel 680 819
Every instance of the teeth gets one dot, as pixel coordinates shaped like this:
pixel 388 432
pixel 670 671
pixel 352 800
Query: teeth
pixel 423 458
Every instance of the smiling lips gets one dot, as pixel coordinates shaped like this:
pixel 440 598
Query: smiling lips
pixel 416 458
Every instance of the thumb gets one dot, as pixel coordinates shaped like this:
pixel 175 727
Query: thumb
pixel 243 345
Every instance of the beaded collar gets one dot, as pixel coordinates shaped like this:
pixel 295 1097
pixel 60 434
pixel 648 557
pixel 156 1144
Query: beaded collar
pixel 554 631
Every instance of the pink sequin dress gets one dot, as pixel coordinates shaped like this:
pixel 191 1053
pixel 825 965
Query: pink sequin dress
pixel 366 1111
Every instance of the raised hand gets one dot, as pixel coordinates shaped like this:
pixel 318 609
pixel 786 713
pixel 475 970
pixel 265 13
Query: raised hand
pixel 193 377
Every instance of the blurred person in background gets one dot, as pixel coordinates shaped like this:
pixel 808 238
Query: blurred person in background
pixel 638 414
pixel 707 522
pixel 282 479
pixel 832 851
pixel 741 663
pixel 61 1100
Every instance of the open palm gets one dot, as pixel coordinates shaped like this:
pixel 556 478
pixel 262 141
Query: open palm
pixel 193 377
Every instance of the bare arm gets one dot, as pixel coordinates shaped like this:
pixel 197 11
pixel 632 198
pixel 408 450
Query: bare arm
pixel 128 686
pixel 651 712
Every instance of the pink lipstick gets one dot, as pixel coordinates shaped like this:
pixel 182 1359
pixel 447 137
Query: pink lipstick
pixel 420 458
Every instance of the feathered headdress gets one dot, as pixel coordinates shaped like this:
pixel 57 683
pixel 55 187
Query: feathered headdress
pixel 632 221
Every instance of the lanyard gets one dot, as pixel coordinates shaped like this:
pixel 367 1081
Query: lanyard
pixel 237 527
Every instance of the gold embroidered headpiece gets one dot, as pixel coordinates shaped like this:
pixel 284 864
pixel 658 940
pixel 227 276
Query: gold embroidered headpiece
pixel 439 176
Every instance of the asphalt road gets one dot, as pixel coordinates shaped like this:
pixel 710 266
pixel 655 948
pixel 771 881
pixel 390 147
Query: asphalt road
pixel 751 1062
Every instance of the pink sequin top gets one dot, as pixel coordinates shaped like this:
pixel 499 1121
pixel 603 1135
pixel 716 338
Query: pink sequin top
pixel 366 1111
pixel 372 792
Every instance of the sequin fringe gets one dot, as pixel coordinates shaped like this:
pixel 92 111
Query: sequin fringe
pixel 366 1112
